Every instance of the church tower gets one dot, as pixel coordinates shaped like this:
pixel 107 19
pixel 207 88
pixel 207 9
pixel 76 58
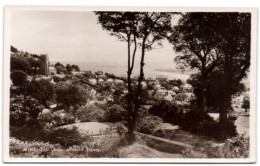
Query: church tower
pixel 44 65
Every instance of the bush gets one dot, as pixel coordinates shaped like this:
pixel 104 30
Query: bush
pixel 42 90
pixel 194 121
pixel 24 111
pixel 91 113
pixel 19 62
pixel 115 113
pixel 202 124
pixel 18 77
pixel 237 147
pixel 66 137
pixel 149 124
pixel 167 111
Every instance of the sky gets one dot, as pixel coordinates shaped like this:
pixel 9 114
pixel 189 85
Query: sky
pixel 72 36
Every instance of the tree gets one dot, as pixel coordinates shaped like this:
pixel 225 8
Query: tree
pixel 18 77
pixel 13 49
pixel 152 28
pixel 246 104
pixel 75 67
pixel 71 95
pixel 181 97
pixel 123 25
pixel 69 68
pixel 195 39
pixel 59 69
pixel 24 111
pixel 42 90
pixel 138 28
pixel 235 45
pixel 35 66
pixel 19 62
pixel 58 64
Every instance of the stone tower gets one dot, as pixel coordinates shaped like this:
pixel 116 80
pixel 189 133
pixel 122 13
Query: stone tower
pixel 44 65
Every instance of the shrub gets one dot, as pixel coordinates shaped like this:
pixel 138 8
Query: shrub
pixel 149 124
pixel 65 137
pixel 42 90
pixel 194 121
pixel 115 113
pixel 237 147
pixel 18 77
pixel 91 113
pixel 19 62
pixel 201 123
pixel 167 111
pixel 24 111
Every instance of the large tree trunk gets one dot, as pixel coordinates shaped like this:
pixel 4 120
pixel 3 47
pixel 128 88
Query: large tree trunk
pixel 226 92
pixel 137 98
pixel 130 133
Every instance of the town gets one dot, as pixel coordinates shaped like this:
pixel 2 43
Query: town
pixel 60 108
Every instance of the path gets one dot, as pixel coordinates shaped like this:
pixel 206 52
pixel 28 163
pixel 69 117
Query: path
pixel 141 151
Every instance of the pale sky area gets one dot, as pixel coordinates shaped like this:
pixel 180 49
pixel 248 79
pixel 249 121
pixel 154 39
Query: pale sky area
pixel 74 36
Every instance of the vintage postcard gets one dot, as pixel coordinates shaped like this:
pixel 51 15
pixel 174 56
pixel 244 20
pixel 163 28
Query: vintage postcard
pixel 129 84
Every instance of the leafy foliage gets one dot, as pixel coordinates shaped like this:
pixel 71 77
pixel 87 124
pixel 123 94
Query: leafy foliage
pixel 71 95
pixel 18 77
pixel 90 113
pixel 149 124
pixel 19 62
pixel 42 90
pixel 24 111
pixel 115 113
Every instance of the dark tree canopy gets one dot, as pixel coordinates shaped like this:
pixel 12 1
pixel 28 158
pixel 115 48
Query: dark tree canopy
pixel 42 90
pixel 18 77
pixel 71 95
pixel 13 49
pixel 19 62
pixel 75 67
pixel 68 68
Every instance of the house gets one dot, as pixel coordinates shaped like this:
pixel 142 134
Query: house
pixel 156 94
pixel 61 75
pixel 171 93
pixel 187 87
pixel 143 84
pixel 168 97
pixel 100 81
pixel 93 93
pixel 175 89
pixel 52 70
pixel 119 82
pixel 110 81
pixel 53 106
pixel 93 81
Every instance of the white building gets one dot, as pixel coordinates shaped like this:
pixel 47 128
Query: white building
pixel 52 70
pixel 100 81
pixel 119 82
pixel 93 81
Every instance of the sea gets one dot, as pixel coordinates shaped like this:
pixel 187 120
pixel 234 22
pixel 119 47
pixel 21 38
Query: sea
pixel 120 69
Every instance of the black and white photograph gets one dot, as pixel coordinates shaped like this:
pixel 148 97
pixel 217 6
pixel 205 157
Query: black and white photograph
pixel 111 84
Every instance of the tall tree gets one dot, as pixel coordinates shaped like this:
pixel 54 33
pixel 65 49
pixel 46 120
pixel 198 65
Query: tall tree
pixel 123 25
pixel 42 90
pixel 235 32
pixel 152 28
pixel 194 37
pixel 138 28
